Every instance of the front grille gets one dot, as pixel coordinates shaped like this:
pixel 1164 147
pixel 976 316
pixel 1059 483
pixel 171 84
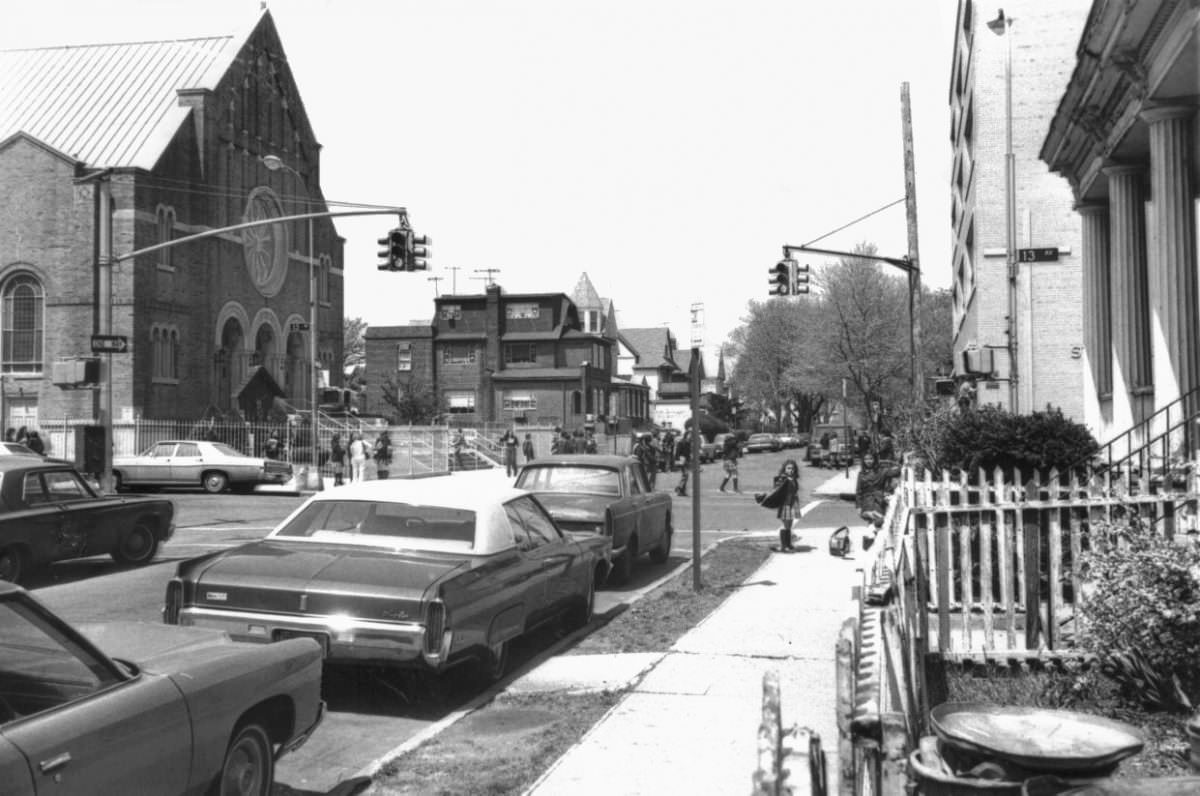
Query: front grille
pixel 435 624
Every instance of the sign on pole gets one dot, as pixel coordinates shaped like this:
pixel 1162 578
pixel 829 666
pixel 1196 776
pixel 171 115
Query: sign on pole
pixel 1048 254
pixel 109 344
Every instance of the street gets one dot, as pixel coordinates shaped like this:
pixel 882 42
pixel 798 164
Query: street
pixel 372 712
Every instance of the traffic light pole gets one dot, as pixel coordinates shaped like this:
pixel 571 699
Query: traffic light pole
pixel 910 267
pixel 105 260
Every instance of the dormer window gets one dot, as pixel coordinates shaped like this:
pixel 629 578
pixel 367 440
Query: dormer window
pixel 515 312
pixel 451 312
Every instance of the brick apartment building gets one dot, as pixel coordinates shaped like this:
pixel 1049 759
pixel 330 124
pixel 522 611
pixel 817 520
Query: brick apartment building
pixel 1048 294
pixel 1124 136
pixel 176 131
pixel 510 358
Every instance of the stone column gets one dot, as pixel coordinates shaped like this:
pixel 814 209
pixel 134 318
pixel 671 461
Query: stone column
pixel 1132 376
pixel 1173 300
pixel 1097 302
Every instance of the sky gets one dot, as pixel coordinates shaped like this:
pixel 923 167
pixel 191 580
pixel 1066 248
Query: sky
pixel 666 148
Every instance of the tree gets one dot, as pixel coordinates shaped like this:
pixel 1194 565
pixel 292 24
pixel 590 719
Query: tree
pixel 413 401
pixel 354 345
pixel 768 348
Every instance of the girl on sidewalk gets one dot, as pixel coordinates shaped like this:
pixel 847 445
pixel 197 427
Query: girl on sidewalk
pixel 788 482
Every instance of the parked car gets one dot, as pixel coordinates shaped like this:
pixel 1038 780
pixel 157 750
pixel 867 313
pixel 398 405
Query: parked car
pixel 213 466
pixel 49 512
pixel 421 574
pixel 711 451
pixel 129 707
pixel 762 442
pixel 818 455
pixel 609 495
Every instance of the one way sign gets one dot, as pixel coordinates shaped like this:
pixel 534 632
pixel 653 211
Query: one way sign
pixel 109 344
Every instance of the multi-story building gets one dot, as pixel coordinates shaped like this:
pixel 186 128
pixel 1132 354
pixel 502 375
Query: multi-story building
pixel 1124 136
pixel 508 358
pixel 1048 332
pixel 178 134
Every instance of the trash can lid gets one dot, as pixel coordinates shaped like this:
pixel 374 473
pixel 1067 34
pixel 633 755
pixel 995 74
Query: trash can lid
pixel 1036 738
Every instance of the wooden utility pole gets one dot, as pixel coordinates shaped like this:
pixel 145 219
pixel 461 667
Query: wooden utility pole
pixel 914 275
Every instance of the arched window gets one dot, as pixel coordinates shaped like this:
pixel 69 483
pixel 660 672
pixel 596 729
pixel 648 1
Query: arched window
pixel 164 351
pixel 165 218
pixel 23 323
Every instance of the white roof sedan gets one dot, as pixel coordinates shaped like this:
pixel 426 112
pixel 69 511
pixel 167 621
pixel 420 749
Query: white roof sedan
pixel 213 466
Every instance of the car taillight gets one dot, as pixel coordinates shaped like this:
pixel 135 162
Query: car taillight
pixel 435 625
pixel 173 602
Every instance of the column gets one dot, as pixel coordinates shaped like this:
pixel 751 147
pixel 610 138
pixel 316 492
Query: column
pixel 1097 301
pixel 1174 299
pixel 1132 376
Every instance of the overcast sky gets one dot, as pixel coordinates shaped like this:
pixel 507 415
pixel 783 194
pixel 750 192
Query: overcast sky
pixel 667 148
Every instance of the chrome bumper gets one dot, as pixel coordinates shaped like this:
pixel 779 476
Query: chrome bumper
pixel 342 638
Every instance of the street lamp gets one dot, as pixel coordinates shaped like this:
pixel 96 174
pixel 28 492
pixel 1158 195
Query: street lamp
pixel 1002 26
pixel 273 163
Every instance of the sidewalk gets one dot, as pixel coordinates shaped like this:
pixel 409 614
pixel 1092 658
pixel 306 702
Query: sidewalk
pixel 690 722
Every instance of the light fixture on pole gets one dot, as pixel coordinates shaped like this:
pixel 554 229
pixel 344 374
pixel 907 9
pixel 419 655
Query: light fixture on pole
pixel 273 163
pixel 1002 26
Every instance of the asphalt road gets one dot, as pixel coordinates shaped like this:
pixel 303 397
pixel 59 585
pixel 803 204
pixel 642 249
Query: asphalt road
pixel 371 713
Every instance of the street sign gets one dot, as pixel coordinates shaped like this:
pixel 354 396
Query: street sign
pixel 299 327
pixel 1044 255
pixel 109 344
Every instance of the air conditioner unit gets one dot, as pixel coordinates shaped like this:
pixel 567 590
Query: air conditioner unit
pixel 978 362
pixel 75 373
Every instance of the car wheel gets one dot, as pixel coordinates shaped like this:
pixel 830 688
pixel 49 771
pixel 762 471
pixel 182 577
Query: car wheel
pixel 248 767
pixel 582 610
pixel 623 566
pixel 118 482
pixel 137 546
pixel 215 483
pixel 12 564
pixel 660 554
pixel 495 663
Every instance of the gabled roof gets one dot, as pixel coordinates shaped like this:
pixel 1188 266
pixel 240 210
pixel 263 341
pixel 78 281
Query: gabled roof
pixel 683 357
pixel 652 347
pixel 110 105
pixel 585 296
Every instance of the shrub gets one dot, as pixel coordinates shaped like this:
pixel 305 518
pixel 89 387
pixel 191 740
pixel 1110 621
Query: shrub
pixel 1142 602
pixel 991 437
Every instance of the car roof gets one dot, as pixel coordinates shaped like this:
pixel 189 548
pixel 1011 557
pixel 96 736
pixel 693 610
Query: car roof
pixel 583 459
pixel 484 498
pixel 23 462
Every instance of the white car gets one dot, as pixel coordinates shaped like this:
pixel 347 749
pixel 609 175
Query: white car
pixel 212 466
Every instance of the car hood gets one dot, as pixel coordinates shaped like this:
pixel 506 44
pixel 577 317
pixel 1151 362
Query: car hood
pixel 308 566
pixel 575 508
pixel 156 647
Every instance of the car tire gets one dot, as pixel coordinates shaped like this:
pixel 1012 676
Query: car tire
pixel 494 665
pixel 137 546
pixel 214 482
pixel 13 563
pixel 118 482
pixel 623 566
pixel 582 610
pixel 662 552
pixel 249 766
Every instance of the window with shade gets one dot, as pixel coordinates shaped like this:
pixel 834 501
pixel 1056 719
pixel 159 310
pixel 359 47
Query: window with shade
pixel 24 302
pixel 460 401
pixel 404 356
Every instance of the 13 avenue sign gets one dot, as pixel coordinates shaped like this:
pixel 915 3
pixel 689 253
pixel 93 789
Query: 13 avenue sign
pixel 109 344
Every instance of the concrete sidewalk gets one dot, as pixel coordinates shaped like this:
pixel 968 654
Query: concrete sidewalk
pixel 690 722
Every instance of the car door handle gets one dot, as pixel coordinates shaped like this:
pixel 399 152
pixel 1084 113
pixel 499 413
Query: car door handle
pixel 56 762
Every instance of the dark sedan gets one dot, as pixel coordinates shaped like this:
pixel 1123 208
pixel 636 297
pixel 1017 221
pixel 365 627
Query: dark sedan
pixel 48 512
pixel 608 495
pixel 420 574
pixel 128 707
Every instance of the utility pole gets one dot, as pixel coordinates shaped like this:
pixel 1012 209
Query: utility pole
pixel 914 273
pixel 697 342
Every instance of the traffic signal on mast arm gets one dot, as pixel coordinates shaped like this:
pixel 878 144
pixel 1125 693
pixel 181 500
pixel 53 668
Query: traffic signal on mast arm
pixel 418 253
pixel 799 278
pixel 394 250
pixel 385 253
pixel 781 278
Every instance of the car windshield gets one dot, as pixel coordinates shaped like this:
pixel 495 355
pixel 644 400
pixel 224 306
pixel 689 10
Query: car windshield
pixel 376 522
pixel 573 479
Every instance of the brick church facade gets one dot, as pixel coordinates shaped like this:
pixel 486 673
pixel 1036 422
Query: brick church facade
pixel 177 133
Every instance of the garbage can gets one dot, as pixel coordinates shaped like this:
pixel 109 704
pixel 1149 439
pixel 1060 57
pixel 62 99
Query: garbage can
pixel 931 780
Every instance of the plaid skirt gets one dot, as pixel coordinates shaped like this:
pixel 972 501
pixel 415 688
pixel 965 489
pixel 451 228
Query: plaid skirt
pixel 787 511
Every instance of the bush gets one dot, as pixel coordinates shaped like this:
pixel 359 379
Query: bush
pixel 990 437
pixel 1143 601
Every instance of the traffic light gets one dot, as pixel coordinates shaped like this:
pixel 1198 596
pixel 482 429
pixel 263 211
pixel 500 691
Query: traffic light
pixel 418 253
pixel 781 278
pixel 385 253
pixel 799 278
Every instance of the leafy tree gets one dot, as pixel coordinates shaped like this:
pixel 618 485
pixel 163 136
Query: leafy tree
pixel 769 348
pixel 354 345
pixel 413 401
